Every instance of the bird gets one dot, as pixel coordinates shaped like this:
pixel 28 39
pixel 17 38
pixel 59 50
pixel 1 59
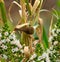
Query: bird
pixel 25 28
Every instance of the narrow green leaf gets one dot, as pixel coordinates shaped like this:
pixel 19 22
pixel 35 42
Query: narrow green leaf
pixel 45 39
pixel 3 12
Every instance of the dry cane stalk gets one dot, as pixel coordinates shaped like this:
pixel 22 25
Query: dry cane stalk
pixel 26 53
pixel 30 6
pixel 50 26
pixel 37 2
pixel 50 29
pixel 40 30
pixel 30 45
pixel 22 2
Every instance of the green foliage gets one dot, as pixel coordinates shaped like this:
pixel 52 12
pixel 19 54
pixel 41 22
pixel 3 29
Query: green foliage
pixel 45 39
pixel 39 49
pixel 58 3
pixel 58 24
pixel 3 12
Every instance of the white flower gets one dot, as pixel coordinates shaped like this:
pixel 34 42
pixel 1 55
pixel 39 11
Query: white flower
pixel 50 38
pixel 58 30
pixel 12 36
pixel 48 51
pixel 42 61
pixel 55 42
pixel 53 51
pixel 4 56
pixel 40 58
pixel 6 33
pixel 33 56
pixel 17 42
pixel 55 26
pixel 47 57
pixel 44 55
pixel 0 42
pixel 7 40
pixel 53 31
pixel 55 34
pixel 51 48
pixel 3 41
pixel 22 51
pixel 0 35
pixel 4 47
pixel 15 49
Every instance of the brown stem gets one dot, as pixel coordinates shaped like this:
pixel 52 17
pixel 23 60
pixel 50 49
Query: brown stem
pixel 30 45
pixel 40 30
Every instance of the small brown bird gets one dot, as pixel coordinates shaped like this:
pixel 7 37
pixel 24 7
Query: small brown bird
pixel 26 29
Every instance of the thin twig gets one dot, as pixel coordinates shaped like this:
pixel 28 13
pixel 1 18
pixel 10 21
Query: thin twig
pixel 50 26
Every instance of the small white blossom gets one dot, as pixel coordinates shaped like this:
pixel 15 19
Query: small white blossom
pixel 7 40
pixel 51 48
pixel 4 47
pixel 40 58
pixel 12 36
pixel 42 61
pixel 44 55
pixel 33 56
pixel 53 31
pixel 50 38
pixel 0 42
pixel 55 34
pixel 48 51
pixel 58 30
pixel 17 42
pixel 55 26
pixel 0 35
pixel 22 51
pixel 47 57
pixel 3 41
pixel 4 56
pixel 55 42
pixel 15 49
pixel 53 51
pixel 6 33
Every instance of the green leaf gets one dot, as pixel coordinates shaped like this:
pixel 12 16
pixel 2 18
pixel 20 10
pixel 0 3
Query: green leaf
pixel 45 39
pixel 58 3
pixel 38 49
pixel 3 12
